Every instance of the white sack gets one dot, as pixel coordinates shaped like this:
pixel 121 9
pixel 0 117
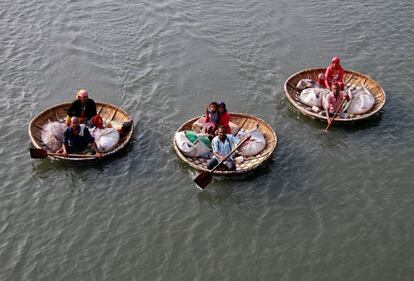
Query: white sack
pixel 313 96
pixel 196 149
pixel 362 101
pixel 254 145
pixel 52 135
pixel 106 139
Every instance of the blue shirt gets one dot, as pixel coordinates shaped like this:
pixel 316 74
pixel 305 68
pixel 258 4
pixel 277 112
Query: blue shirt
pixel 77 142
pixel 214 116
pixel 224 148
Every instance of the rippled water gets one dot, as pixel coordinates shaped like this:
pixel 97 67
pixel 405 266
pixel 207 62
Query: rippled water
pixel 338 206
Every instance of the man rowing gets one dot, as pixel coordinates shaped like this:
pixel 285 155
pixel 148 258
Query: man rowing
pixel 222 145
pixel 334 101
pixel 77 139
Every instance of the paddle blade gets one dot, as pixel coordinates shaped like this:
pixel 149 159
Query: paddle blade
pixel 203 179
pixel 37 153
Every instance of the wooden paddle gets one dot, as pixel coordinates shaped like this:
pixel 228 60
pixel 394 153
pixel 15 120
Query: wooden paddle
pixel 336 113
pixel 205 177
pixel 38 153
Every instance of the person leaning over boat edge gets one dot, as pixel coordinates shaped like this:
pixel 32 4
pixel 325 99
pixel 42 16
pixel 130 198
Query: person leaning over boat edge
pixel 83 107
pixel 76 139
pixel 222 145
pixel 334 100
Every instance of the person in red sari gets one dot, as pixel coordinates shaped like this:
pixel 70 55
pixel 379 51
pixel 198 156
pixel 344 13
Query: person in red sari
pixel 334 73
pixel 224 117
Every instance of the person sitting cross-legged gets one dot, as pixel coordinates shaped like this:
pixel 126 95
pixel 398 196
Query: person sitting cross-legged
pixel 76 139
pixel 222 145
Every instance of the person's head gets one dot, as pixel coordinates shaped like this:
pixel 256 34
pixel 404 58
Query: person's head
pixel 97 121
pixel 222 107
pixel 336 62
pixel 335 88
pixel 221 132
pixel 213 106
pixel 321 76
pixel 74 123
pixel 82 95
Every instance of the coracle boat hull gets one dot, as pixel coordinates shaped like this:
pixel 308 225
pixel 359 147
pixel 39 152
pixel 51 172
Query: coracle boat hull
pixel 58 113
pixel 351 78
pixel 246 122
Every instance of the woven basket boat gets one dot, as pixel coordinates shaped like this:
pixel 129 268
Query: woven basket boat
pixel 58 113
pixel 351 78
pixel 244 121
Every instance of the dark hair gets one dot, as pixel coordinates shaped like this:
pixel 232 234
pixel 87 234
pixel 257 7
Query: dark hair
pixel 213 103
pixel 221 127
pixel 223 105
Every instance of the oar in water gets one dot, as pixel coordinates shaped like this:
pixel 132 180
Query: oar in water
pixel 38 153
pixel 336 113
pixel 204 178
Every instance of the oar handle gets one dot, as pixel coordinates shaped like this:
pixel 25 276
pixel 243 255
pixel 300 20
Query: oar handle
pixel 231 152
pixel 71 155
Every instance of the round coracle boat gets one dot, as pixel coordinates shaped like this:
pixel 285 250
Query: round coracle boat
pixel 238 121
pixel 112 114
pixel 351 79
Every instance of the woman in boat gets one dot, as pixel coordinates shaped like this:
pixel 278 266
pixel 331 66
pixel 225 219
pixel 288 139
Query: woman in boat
pixel 334 73
pixel 83 107
pixel 224 117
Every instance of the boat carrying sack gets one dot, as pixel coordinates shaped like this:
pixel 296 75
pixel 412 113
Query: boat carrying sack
pixel 196 149
pixel 52 135
pixel 106 139
pixel 362 101
pixel 255 144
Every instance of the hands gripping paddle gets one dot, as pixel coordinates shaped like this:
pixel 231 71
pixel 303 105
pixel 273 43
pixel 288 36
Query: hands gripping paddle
pixel 204 178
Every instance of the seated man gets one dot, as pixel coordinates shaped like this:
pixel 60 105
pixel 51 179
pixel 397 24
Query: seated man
pixel 76 139
pixel 83 107
pixel 222 145
pixel 334 100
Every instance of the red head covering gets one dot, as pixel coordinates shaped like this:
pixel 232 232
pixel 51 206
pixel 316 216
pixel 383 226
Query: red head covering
pixel 97 121
pixel 336 60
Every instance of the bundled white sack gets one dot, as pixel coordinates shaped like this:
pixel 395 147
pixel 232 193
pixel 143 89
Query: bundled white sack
pixel 255 144
pixel 305 83
pixel 106 139
pixel 313 96
pixel 196 149
pixel 52 135
pixel 361 102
